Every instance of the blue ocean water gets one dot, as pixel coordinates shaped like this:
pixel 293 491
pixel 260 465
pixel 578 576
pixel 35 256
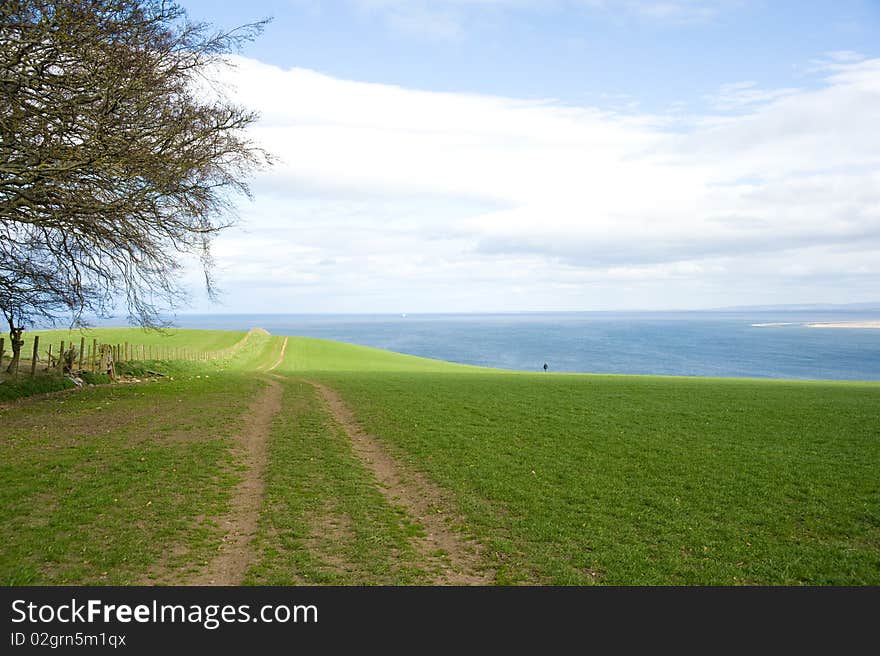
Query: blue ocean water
pixel 671 343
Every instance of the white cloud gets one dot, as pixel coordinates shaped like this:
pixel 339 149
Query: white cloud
pixel 402 200
pixel 737 96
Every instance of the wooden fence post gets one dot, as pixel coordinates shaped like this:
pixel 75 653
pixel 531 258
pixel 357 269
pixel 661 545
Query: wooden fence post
pixel 82 347
pixel 61 357
pixel 94 353
pixel 49 361
pixel 35 355
pixel 2 348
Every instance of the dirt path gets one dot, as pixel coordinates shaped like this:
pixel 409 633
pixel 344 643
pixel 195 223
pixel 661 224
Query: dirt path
pixel 460 562
pixel 280 356
pixel 236 552
pixel 274 365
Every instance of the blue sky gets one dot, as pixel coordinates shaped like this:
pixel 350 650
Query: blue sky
pixel 467 155
pixel 655 52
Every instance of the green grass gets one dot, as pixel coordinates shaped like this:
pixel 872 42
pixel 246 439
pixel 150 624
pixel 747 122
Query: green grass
pixel 124 484
pixel 324 520
pixel 109 484
pixel 236 352
pixel 196 340
pixel 305 354
pixel 15 387
pixel 565 479
pixel 259 351
pixel 640 480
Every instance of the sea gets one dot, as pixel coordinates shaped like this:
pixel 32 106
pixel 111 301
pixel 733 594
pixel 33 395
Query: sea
pixel 744 343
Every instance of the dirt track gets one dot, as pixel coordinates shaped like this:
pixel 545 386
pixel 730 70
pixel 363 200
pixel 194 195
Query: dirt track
pixel 452 558
pixel 236 552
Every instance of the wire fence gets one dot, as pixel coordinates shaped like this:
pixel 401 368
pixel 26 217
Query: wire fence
pixel 94 356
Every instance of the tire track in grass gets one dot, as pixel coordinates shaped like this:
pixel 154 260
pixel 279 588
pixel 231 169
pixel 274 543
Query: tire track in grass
pixel 280 357
pixel 454 559
pixel 236 552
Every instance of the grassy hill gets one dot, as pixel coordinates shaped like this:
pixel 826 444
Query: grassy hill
pixel 564 479
pixel 305 354
pixel 622 479
pixel 199 340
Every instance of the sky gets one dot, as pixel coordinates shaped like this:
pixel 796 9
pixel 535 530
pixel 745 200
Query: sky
pixel 515 155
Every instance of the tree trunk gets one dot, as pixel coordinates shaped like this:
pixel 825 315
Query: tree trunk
pixel 16 343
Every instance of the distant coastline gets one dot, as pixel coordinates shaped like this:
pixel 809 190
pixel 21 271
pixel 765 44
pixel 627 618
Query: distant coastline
pixel 648 343
pixel 821 324
pixel 845 324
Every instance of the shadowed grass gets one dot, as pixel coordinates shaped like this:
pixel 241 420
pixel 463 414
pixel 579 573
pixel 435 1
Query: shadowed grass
pixel 12 387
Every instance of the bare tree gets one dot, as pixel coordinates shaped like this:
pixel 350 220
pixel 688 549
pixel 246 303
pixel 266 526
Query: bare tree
pixel 119 156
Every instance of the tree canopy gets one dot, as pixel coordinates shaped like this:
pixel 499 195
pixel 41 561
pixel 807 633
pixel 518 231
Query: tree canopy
pixel 119 155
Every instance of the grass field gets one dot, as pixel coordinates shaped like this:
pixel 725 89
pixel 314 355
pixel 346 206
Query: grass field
pixel 97 485
pixel 576 479
pixel 196 340
pixel 563 479
pixel 234 350
pixel 324 521
pixel 305 355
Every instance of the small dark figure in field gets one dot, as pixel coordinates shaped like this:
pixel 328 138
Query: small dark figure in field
pixel 546 366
